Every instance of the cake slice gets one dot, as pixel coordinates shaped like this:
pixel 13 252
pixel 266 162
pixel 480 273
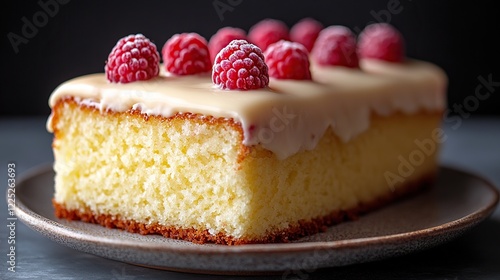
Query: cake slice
pixel 176 156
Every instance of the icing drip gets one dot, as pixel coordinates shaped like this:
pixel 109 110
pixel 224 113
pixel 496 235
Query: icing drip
pixel 289 116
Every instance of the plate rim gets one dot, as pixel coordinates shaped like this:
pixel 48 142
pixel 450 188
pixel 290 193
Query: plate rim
pixel 32 219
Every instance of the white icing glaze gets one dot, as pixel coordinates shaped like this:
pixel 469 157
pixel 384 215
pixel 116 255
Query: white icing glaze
pixel 289 116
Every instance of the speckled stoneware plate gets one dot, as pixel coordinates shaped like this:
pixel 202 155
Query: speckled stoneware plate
pixel 458 202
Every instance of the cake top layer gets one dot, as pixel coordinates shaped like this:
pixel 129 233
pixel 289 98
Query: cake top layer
pixel 289 115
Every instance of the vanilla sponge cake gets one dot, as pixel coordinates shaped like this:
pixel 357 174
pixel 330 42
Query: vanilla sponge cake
pixel 176 156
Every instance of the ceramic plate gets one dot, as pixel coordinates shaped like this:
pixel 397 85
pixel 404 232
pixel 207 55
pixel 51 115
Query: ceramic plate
pixel 458 202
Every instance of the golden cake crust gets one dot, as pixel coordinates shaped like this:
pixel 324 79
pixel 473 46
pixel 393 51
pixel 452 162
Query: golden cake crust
pixel 294 232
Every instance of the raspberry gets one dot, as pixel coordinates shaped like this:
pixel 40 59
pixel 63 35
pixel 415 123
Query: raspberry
pixel 305 32
pixel 240 65
pixel 288 60
pixel 381 41
pixel 266 32
pixel 223 37
pixel 186 54
pixel 134 58
pixel 336 45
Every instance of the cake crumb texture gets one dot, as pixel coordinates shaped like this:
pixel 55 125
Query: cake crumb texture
pixel 190 177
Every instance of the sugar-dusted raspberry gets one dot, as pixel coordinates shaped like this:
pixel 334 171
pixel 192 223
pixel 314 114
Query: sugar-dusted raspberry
pixel 223 37
pixel 240 65
pixel 336 45
pixel 381 41
pixel 288 60
pixel 186 54
pixel 266 32
pixel 305 32
pixel 134 58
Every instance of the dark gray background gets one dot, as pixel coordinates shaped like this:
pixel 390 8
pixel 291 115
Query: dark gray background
pixel 76 39
pixel 460 37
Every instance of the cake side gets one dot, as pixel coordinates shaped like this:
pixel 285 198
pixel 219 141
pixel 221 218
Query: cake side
pixel 268 148
pixel 190 177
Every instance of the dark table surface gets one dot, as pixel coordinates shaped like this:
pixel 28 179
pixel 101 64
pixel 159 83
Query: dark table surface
pixel 472 145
